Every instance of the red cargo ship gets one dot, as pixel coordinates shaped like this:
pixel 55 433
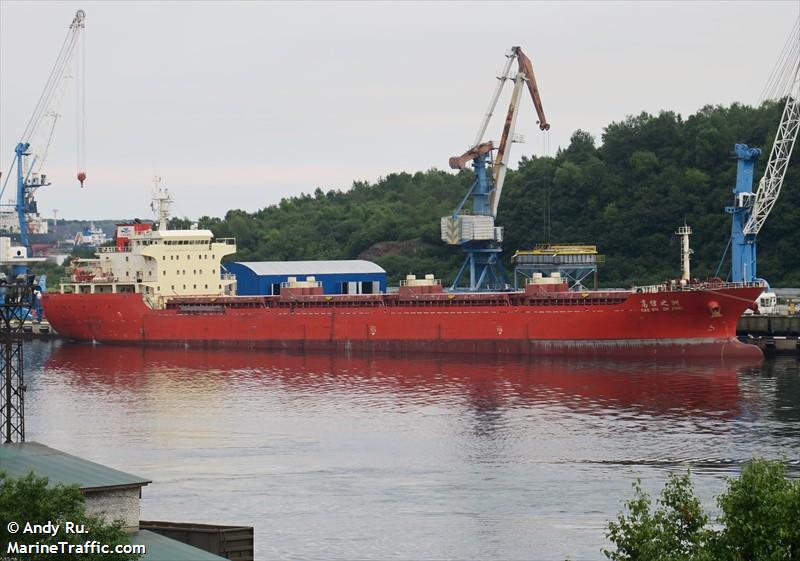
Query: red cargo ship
pixel 168 287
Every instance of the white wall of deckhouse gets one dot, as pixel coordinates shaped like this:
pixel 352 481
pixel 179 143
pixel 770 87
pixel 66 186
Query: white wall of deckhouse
pixel 163 264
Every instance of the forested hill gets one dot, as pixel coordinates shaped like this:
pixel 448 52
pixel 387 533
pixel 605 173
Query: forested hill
pixel 626 195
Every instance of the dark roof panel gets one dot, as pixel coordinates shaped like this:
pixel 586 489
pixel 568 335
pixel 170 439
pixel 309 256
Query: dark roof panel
pixel 162 548
pixel 19 459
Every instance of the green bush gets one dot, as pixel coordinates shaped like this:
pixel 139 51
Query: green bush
pixel 30 499
pixel 760 521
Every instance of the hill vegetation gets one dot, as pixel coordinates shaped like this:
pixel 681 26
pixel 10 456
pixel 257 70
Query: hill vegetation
pixel 627 195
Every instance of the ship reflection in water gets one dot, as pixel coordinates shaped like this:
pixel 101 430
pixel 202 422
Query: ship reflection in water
pixel 385 457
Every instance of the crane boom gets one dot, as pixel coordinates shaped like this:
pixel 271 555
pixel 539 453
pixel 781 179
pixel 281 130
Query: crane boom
pixel 770 185
pixel 525 74
pixel 502 77
pixel 526 67
pixel 501 163
pixel 31 151
pixel 478 148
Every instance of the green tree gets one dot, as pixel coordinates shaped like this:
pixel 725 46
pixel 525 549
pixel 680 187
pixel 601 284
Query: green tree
pixel 674 531
pixel 759 521
pixel 30 499
pixel 761 515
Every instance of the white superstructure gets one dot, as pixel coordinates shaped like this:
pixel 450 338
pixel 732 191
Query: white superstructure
pixel 158 264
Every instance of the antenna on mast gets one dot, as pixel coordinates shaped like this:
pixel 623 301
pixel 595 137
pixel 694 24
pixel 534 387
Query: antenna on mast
pixel 161 203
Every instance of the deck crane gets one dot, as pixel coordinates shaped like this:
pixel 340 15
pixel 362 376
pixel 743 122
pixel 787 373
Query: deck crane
pixel 31 151
pixel 750 210
pixel 474 229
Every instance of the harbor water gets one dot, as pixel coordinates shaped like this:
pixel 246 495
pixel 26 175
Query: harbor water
pixel 390 457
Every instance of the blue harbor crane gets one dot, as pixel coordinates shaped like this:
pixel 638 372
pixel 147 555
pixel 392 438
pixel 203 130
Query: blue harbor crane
pixel 750 209
pixel 30 154
pixel 473 229
pixel 31 151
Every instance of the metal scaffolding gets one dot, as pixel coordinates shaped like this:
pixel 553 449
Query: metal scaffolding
pixel 15 305
pixel 577 264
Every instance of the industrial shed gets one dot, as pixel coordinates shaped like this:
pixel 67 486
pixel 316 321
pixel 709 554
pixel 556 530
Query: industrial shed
pixel 258 278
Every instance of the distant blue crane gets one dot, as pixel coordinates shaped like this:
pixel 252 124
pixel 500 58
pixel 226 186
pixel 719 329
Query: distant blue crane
pixel 750 210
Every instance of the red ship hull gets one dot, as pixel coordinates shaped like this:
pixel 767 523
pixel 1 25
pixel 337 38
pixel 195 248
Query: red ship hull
pixel 700 322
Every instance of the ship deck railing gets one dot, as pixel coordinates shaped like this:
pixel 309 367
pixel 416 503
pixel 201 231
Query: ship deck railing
pixel 93 280
pixel 693 287
pixel 460 300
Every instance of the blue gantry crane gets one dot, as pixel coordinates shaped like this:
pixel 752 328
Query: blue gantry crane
pixel 474 229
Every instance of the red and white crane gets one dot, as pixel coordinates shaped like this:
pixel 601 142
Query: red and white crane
pixel 475 230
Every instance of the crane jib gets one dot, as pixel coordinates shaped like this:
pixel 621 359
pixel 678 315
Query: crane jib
pixel 31 152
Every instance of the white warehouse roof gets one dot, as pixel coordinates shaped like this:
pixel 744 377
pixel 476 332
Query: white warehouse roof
pixel 280 268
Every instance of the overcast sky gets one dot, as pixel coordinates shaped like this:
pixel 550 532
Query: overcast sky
pixel 236 105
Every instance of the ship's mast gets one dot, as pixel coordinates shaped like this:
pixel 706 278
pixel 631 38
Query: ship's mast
pixel 161 204
pixel 686 252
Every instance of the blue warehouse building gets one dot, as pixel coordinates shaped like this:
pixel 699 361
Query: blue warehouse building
pixel 264 278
